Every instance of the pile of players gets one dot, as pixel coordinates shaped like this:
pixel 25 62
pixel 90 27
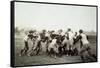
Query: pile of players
pixel 56 44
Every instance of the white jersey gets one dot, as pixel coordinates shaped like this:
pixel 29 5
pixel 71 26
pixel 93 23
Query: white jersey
pixel 26 38
pixel 53 41
pixel 62 33
pixel 47 35
pixel 39 38
pixel 84 39
pixel 52 44
pixel 71 35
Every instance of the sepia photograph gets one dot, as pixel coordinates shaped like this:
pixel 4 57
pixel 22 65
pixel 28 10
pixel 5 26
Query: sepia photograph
pixel 53 33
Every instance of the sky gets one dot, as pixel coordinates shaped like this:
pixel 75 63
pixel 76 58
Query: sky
pixel 54 17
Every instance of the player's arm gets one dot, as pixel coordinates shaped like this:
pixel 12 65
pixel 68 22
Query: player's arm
pixel 87 37
pixel 77 39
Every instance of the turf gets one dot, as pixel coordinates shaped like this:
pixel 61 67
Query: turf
pixel 44 59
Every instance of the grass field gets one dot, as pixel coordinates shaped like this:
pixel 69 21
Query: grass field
pixel 44 59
